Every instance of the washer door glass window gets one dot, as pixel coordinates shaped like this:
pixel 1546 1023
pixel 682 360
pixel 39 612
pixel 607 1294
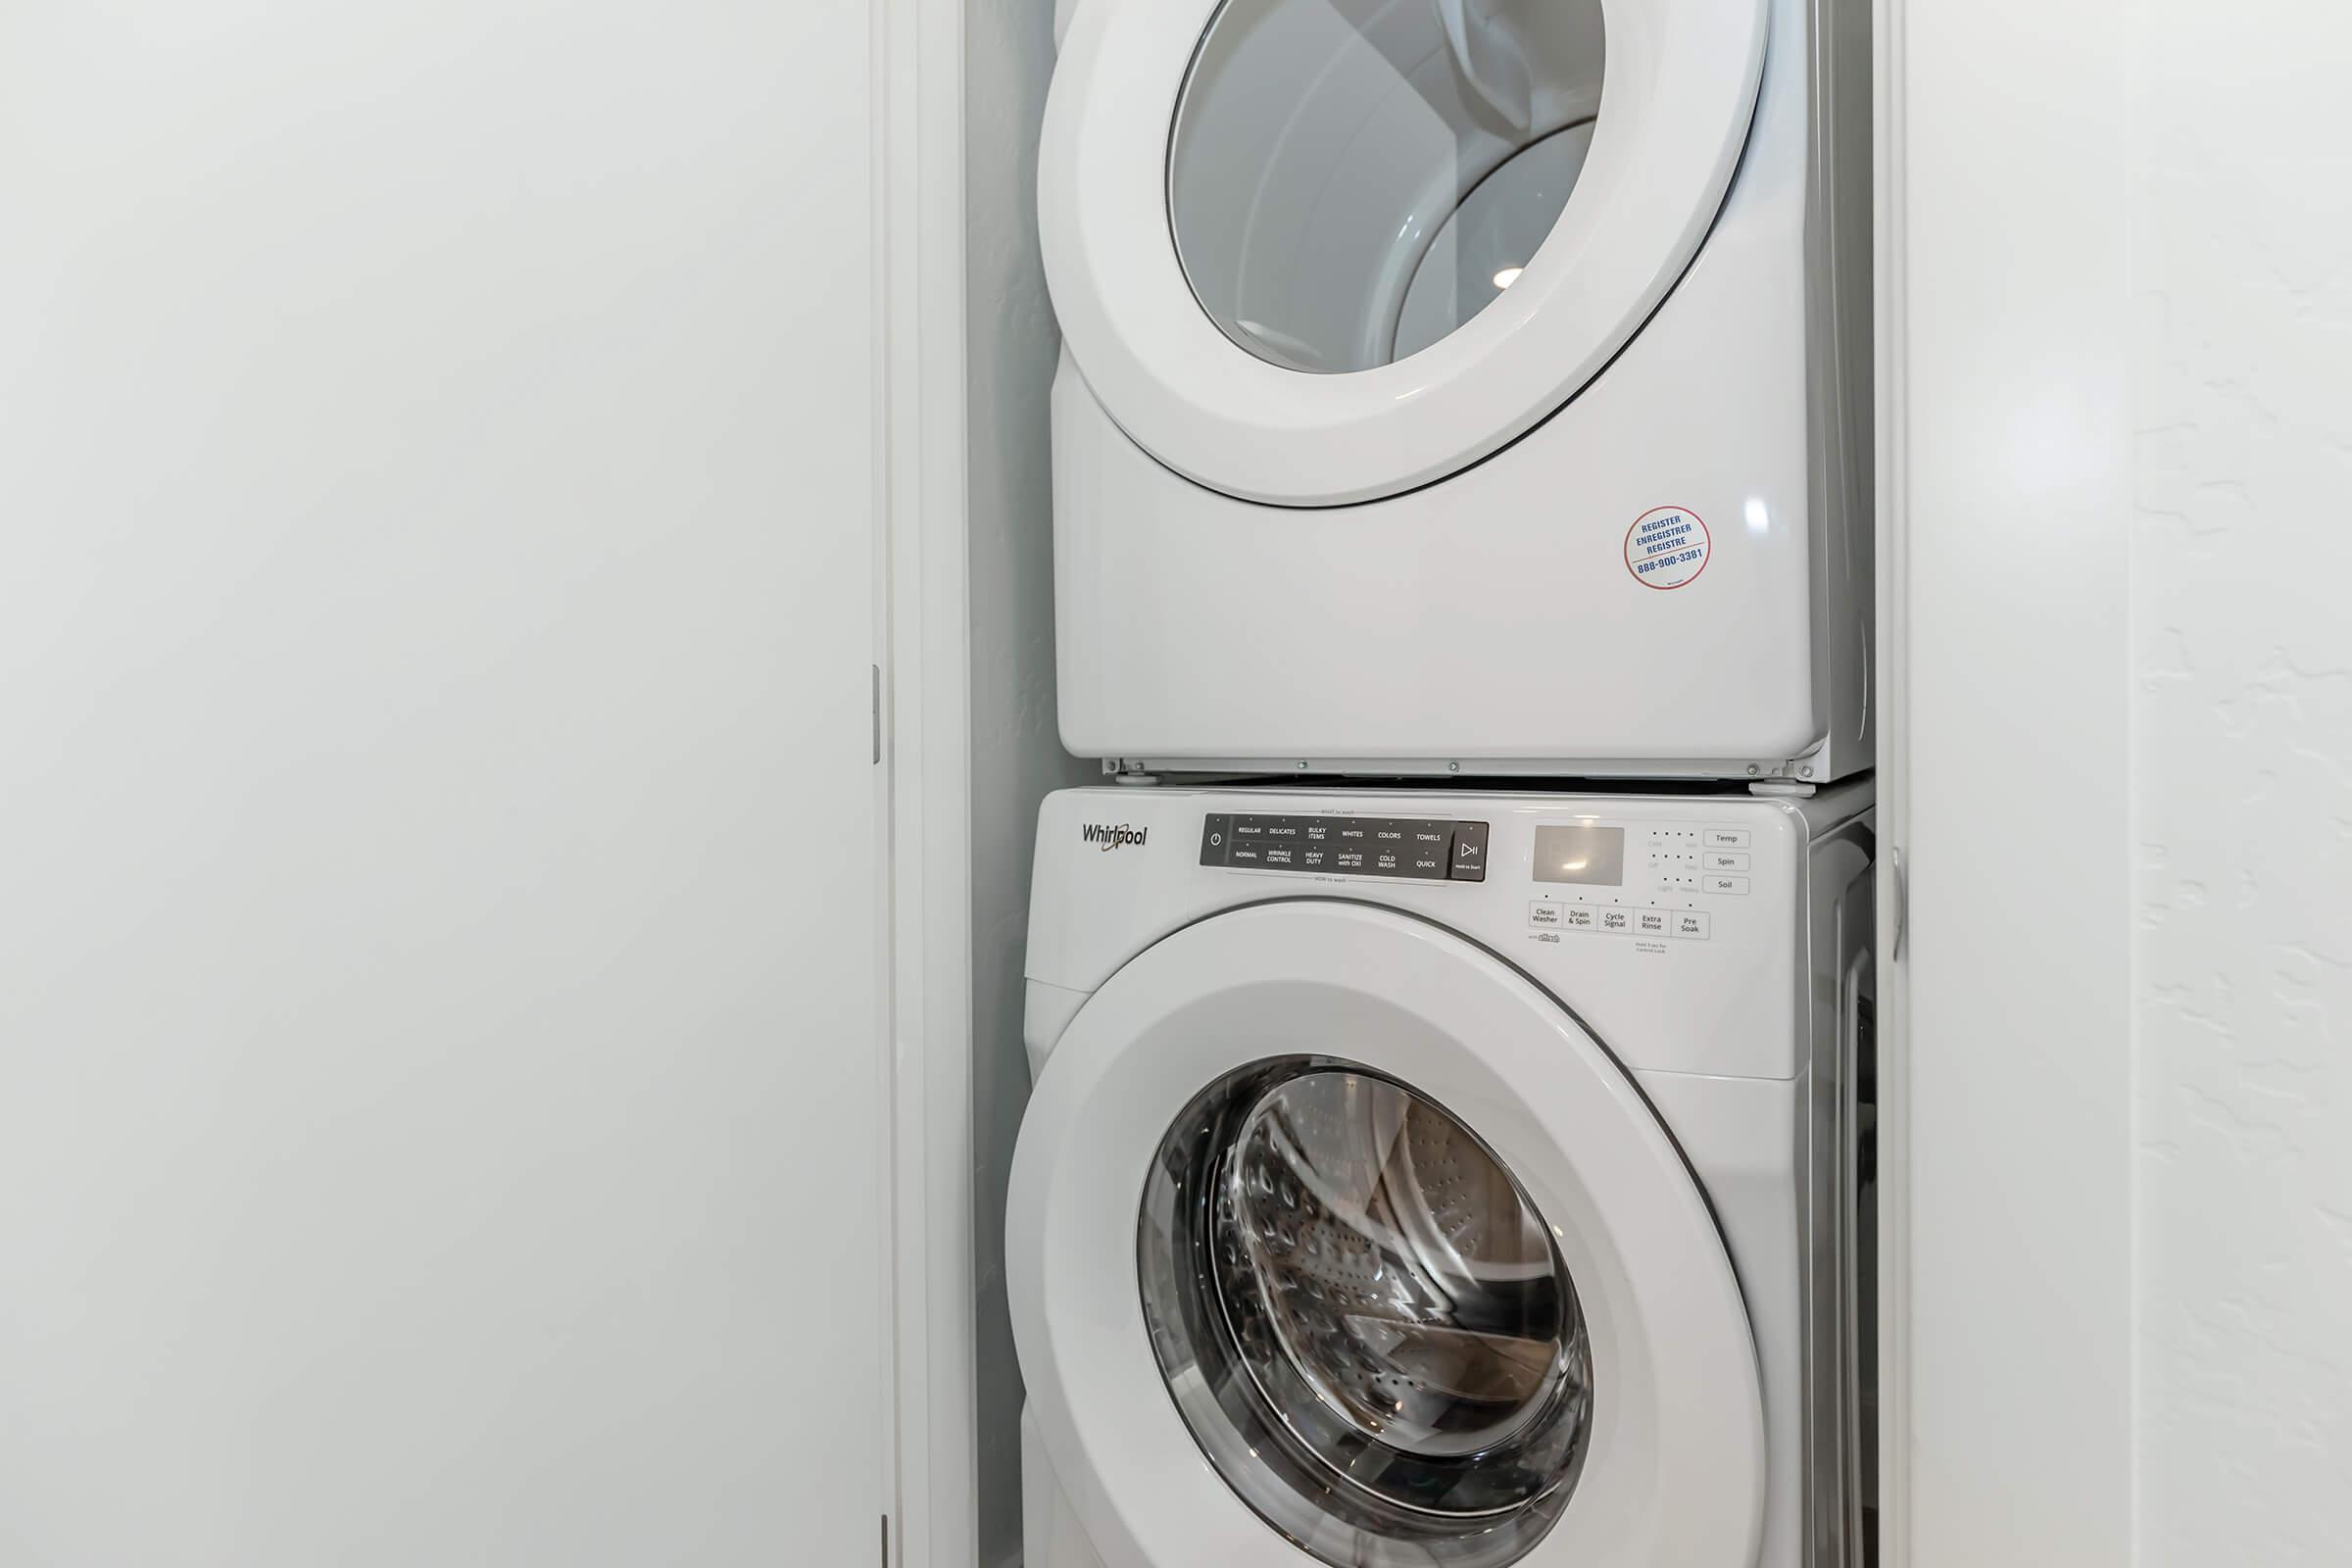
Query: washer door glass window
pixel 1363 1319
pixel 1350 181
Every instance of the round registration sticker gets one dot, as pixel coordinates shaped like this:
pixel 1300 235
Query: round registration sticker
pixel 1667 548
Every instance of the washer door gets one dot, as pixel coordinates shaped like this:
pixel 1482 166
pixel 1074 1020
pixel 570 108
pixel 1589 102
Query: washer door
pixel 1317 252
pixel 1329 1232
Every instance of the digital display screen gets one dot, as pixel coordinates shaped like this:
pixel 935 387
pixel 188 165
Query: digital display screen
pixel 1594 856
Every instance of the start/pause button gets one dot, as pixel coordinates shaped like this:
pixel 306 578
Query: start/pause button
pixel 1469 851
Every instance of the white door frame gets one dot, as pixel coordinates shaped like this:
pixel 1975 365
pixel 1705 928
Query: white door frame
pixel 1893 778
pixel 923 732
pixel 2004 499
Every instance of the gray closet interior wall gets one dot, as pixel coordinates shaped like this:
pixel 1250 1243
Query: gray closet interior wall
pixel 1016 752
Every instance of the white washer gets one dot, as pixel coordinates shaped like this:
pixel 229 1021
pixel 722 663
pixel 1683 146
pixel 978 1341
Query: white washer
pixel 1419 1178
pixel 1463 379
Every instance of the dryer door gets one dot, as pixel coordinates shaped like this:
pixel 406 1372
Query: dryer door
pixel 1331 1231
pixel 1317 252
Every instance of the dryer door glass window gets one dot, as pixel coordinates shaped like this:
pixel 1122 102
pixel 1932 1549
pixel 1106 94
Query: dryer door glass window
pixel 1364 1320
pixel 1351 180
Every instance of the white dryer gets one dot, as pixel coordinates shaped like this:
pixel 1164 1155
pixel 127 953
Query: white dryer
pixel 1433 1178
pixel 1463 380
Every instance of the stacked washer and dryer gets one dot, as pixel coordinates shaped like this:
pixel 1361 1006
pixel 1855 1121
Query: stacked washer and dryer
pixel 1450 1137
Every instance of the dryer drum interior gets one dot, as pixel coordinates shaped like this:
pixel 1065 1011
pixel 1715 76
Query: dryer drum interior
pixel 1350 184
pixel 1363 1319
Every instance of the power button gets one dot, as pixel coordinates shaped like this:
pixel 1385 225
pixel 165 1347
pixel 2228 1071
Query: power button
pixel 1216 838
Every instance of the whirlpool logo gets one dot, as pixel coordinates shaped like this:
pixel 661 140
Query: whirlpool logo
pixel 1106 838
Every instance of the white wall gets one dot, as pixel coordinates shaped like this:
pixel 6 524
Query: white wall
pixel 2241 653
pixel 1017 749
pixel 438 1109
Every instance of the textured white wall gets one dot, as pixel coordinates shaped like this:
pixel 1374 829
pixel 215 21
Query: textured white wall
pixel 2242 766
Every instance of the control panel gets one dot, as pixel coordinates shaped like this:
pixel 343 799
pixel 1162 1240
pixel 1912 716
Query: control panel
pixel 1666 882
pixel 1414 849
pixel 1675 923
pixel 1663 880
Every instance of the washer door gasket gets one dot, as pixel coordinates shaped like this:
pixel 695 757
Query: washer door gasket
pixel 1363 1319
